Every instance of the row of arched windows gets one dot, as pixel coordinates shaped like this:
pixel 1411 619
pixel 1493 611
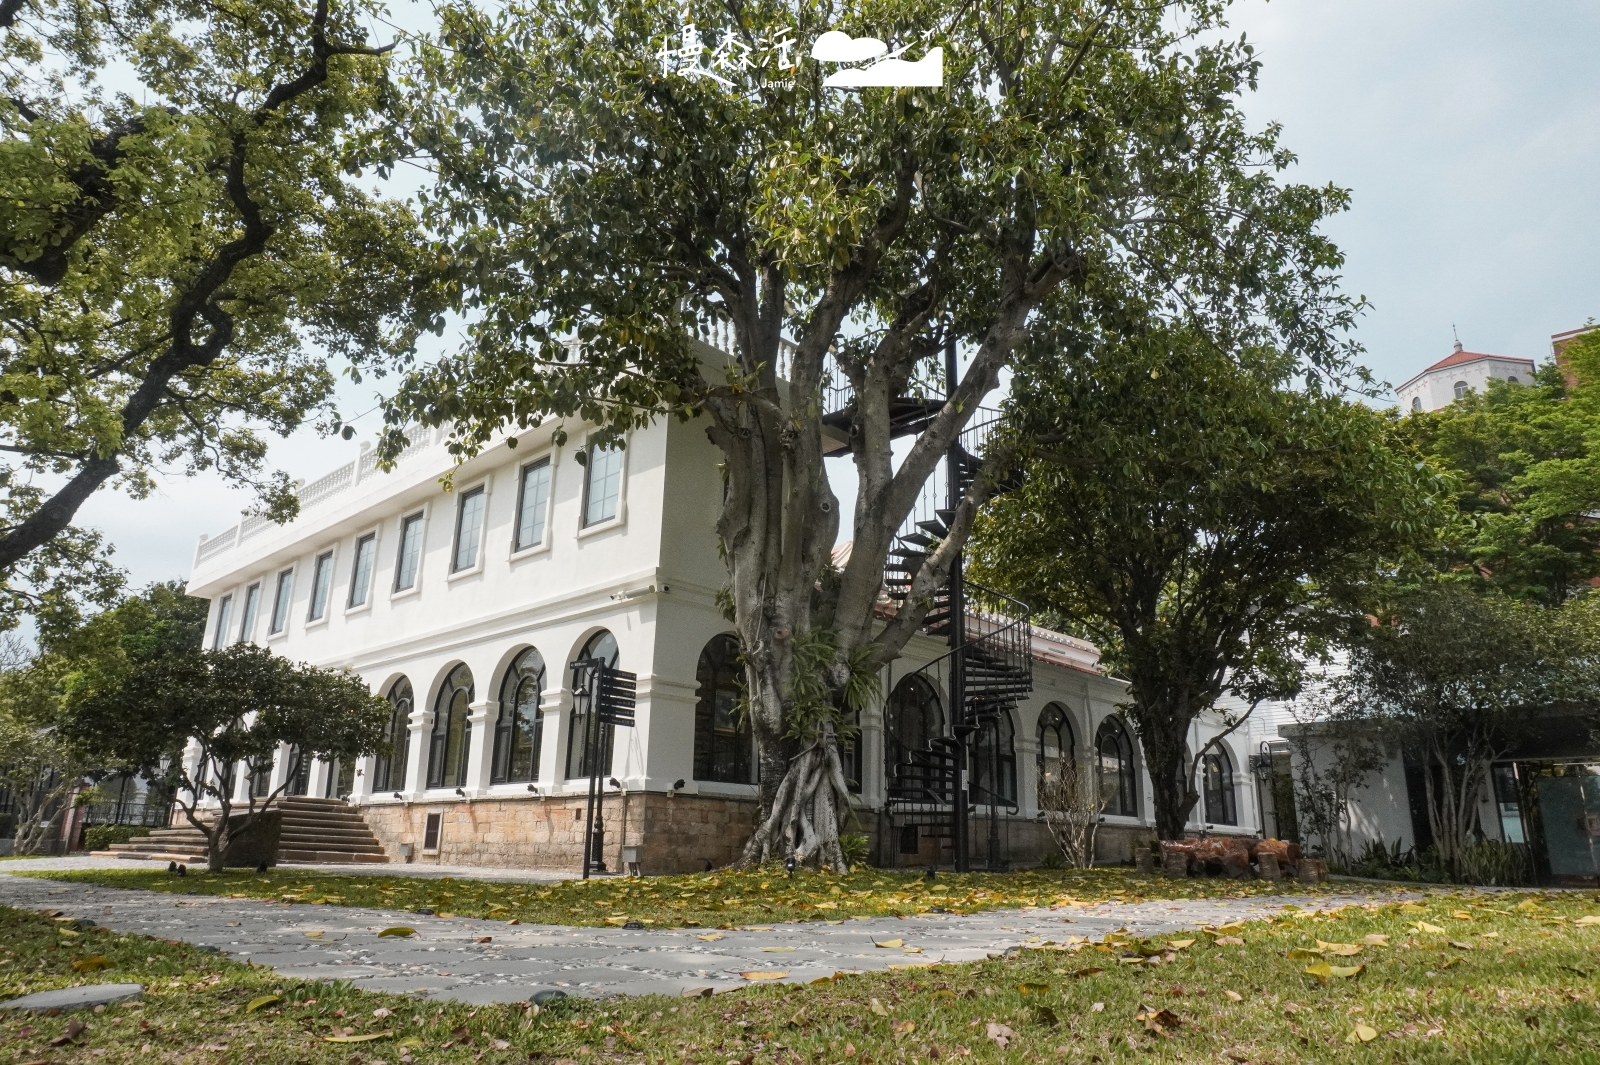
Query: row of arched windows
pixel 724 750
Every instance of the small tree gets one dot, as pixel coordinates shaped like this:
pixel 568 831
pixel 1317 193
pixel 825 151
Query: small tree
pixel 1459 678
pixel 1335 753
pixel 231 709
pixel 1071 805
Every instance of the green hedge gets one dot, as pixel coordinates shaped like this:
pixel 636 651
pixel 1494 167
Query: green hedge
pixel 99 837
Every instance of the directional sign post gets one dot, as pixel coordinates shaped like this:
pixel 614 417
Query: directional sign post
pixel 608 697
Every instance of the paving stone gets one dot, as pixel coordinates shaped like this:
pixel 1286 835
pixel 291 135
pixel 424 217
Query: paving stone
pixel 68 999
pixel 443 960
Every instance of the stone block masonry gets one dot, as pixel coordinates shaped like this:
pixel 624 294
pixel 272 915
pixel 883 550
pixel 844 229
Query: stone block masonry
pixel 674 833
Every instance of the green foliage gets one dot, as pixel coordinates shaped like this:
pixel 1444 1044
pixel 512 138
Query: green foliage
pixel 1209 526
pixel 856 849
pixel 173 240
pixel 1524 461
pixel 99 837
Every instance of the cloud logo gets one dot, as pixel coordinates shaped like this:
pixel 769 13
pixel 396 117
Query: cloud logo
pixel 898 73
pixel 836 47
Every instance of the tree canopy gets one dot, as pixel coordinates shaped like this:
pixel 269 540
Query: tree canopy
pixel 616 176
pixel 1525 465
pixel 181 216
pixel 1209 526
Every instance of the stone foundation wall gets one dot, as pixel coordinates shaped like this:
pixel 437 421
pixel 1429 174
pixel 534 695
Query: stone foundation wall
pixel 675 834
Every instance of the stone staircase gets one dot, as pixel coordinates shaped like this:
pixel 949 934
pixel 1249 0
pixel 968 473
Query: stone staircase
pixel 325 831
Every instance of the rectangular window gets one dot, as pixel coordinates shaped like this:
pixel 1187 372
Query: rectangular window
pixel 224 610
pixel 361 572
pixel 602 486
pixel 405 567
pixel 430 832
pixel 321 583
pixel 280 602
pixel 247 622
pixel 469 523
pixel 533 499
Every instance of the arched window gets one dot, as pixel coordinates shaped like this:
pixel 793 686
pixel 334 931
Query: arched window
pixel 601 648
pixel 517 730
pixel 722 745
pixel 913 716
pixel 389 773
pixel 1220 806
pixel 1462 389
pixel 1118 783
pixel 299 770
pixel 452 732
pixel 1416 403
pixel 1511 380
pixel 1056 745
pixel 994 761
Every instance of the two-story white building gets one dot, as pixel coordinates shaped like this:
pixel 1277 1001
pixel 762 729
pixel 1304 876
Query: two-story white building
pixel 464 605
pixel 1457 374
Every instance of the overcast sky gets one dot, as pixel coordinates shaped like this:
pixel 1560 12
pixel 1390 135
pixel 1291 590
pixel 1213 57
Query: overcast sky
pixel 1468 130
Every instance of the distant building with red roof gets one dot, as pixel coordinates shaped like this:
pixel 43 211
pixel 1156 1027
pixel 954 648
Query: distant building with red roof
pixel 1457 374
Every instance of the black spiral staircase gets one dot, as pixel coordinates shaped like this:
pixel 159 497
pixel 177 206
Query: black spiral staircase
pixel 986 673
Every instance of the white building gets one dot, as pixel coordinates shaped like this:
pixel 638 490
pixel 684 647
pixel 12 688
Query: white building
pixel 1457 374
pixel 464 607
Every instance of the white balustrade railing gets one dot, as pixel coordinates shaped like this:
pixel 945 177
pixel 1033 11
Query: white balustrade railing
pixel 326 487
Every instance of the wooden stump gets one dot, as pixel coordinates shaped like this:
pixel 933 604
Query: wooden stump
pixel 1142 861
pixel 1267 866
pixel 1174 862
pixel 1307 869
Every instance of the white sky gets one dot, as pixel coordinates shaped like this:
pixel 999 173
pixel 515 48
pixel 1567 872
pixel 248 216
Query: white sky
pixel 1469 131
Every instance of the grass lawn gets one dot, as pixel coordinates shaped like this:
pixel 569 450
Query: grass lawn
pixel 1456 978
pixel 721 899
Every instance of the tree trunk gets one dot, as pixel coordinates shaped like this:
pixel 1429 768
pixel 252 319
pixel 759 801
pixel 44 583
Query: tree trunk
pixel 809 807
pixel 1171 799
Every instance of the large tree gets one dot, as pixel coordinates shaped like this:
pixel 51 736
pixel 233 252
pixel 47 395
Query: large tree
pixel 1209 526
pixel 614 175
pixel 181 218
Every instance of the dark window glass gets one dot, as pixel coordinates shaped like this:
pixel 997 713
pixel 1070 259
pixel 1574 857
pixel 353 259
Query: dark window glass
pixel 602 647
pixel 299 773
pixel 280 601
pixel 520 725
pixel 261 780
pixel 994 761
pixel 361 572
pixel 1056 746
pixel 224 612
pixel 1219 794
pixel 469 523
pixel 452 732
pixel 533 500
pixel 321 582
pixel 913 717
pixel 410 554
pixel 389 773
pixel 430 832
pixel 723 747
pixel 252 605
pixel 1118 784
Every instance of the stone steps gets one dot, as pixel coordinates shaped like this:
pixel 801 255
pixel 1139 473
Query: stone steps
pixel 311 830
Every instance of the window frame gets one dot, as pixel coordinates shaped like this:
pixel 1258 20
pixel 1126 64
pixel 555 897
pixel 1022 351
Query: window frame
pixel 1228 789
pixel 401 752
pixel 507 722
pixel 1127 767
pixel 278 625
pixel 421 517
pixel 585 527
pixel 219 633
pixel 466 492
pixel 372 534
pixel 439 738
pixel 720 653
pixel 332 555
pixel 251 614
pixel 547 460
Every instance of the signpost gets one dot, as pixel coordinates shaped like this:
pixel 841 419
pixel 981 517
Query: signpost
pixel 608 697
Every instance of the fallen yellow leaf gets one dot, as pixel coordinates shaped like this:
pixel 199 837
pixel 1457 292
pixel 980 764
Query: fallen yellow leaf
pixel 889 943
pixel 1033 989
pixel 399 930
pixel 368 1038
pixel 264 1000
pixel 778 950
pixel 903 1027
pixel 1180 944
pixel 1302 953
pixel 1228 941
pixel 91 963
pixel 1424 926
pixel 1593 918
pixel 1234 995
pixel 759 974
pixel 877 1007
pixel 1377 939
pixel 709 938
pixel 619 920
pixel 1361 1034
pixel 1343 950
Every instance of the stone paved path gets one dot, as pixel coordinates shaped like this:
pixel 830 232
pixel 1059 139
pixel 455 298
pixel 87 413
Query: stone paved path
pixel 475 960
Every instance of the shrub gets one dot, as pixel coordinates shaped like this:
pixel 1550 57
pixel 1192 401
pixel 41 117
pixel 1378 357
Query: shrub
pixel 99 837
pixel 855 848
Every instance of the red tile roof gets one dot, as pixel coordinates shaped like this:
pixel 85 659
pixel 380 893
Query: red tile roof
pixel 1458 357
